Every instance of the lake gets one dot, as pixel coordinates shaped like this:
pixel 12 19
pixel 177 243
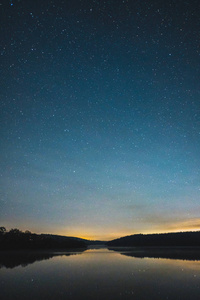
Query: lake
pixel 97 274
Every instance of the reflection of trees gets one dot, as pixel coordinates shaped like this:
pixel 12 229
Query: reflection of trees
pixel 14 259
pixel 168 253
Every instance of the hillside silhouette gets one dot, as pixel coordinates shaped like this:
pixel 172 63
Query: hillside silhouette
pixel 181 239
pixel 17 240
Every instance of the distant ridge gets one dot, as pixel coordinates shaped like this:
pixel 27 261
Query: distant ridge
pixel 189 239
pixel 18 240
pixel 61 237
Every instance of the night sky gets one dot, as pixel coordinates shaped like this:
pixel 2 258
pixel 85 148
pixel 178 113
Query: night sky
pixel 100 116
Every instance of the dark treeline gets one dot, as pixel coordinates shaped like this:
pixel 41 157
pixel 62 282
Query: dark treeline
pixel 17 240
pixel 191 239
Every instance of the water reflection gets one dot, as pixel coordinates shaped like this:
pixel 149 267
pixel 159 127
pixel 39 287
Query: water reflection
pixel 101 274
pixel 12 259
pixel 187 253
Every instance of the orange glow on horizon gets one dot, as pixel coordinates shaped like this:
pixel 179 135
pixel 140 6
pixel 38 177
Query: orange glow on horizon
pixel 107 234
pixel 123 234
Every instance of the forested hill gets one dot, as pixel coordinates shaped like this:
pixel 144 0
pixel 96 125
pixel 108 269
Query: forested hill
pixel 87 242
pixel 158 240
pixel 17 240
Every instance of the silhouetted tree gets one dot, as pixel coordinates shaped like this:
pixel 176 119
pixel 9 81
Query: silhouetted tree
pixel 2 230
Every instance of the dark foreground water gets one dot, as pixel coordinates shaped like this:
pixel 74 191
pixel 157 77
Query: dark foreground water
pixel 97 274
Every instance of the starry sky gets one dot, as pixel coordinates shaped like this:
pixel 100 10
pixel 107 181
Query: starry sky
pixel 100 116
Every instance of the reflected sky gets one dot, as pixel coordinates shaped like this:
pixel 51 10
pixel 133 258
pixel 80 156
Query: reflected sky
pixel 103 274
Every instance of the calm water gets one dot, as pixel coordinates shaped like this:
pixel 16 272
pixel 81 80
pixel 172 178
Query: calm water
pixel 97 274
